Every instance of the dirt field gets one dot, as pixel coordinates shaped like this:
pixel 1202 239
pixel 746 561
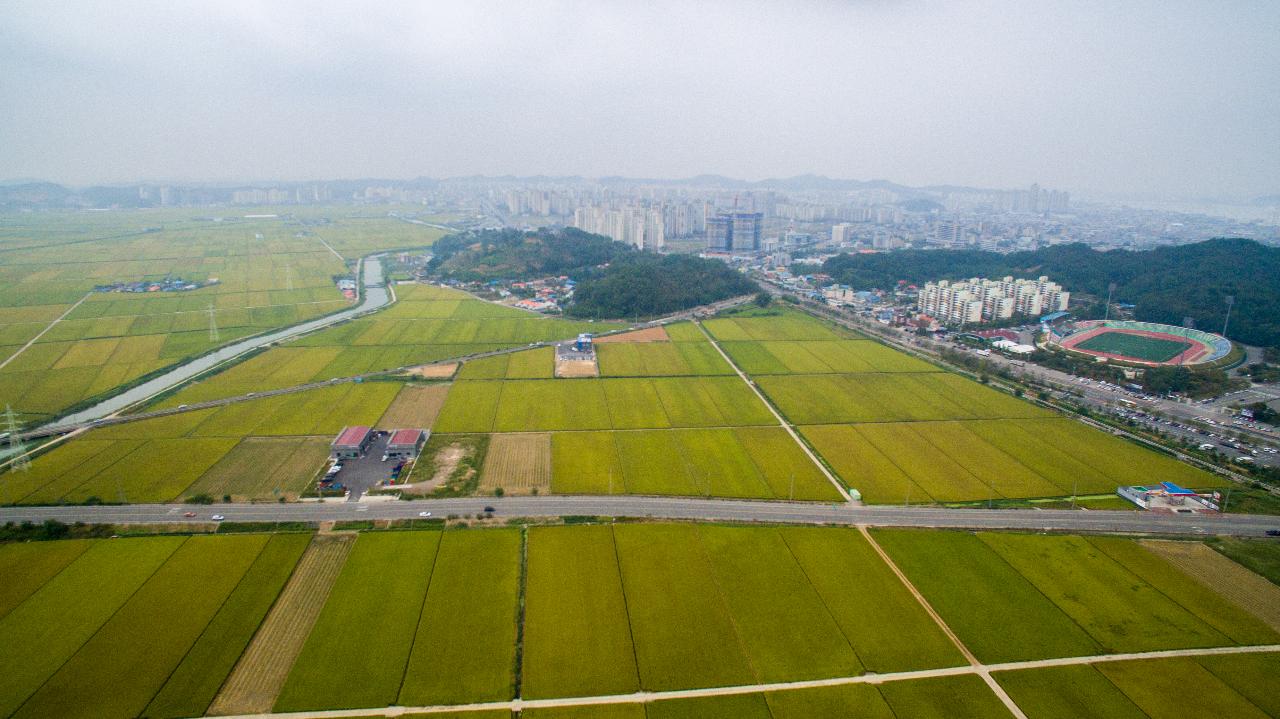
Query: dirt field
pixel 649 334
pixel 518 463
pixel 577 368
pixel 1223 576
pixel 258 676
pixel 415 407
pixel 434 371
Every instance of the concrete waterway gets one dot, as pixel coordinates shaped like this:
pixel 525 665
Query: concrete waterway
pixel 374 295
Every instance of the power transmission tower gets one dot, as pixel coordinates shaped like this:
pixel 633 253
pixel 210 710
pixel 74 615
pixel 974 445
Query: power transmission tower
pixel 213 323
pixel 18 450
pixel 1107 315
pixel 1231 300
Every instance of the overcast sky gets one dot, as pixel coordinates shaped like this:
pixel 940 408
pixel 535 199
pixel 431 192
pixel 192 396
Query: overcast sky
pixel 1122 96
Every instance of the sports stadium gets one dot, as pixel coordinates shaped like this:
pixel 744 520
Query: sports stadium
pixel 1141 343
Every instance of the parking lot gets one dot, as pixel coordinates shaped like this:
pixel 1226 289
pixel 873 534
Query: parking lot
pixel 358 475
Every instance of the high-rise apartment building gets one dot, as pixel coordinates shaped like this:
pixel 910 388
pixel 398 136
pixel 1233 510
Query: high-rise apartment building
pixel 734 232
pixel 719 233
pixel 977 300
pixel 746 231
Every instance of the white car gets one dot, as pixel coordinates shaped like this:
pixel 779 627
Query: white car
pixel 217 517
pixel 424 514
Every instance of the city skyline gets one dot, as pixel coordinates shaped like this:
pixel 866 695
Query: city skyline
pixel 1132 100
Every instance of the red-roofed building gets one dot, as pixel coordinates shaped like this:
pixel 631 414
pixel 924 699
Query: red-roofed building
pixel 351 442
pixel 406 443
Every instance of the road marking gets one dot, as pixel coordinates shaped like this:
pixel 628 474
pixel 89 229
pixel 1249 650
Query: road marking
pixel 778 416
pixel 32 341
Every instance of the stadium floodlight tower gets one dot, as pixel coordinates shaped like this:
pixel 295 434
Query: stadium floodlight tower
pixel 1107 312
pixel 1230 300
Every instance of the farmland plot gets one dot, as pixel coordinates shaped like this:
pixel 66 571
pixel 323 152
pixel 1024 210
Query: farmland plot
pixel 26 567
pixel 684 636
pixel 1256 677
pixel 872 607
pixel 577 639
pixel 258 676
pixel 415 406
pixel 1158 687
pixel 959 697
pixel 390 570
pixel 1120 611
pixel 757 573
pixel 264 468
pixel 128 660
pixel 517 463
pixel 192 685
pixel 993 609
pixel 465 646
pixel 584 462
pixel 42 633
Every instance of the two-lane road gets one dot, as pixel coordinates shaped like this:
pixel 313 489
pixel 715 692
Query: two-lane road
pixel 666 508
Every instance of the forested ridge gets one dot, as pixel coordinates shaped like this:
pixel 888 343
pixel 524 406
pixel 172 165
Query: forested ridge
pixel 1165 284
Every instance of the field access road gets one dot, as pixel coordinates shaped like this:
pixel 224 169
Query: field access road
pixel 375 296
pixel 1064 520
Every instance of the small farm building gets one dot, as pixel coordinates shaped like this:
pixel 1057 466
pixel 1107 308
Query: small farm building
pixel 351 442
pixel 406 443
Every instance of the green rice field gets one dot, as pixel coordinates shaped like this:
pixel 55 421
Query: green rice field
pixel 600 404
pixel 437 618
pixel 256 449
pixel 257 275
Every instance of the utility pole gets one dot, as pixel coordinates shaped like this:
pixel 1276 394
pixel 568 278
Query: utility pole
pixel 792 494
pixel 1075 489
pixel 213 324
pixel 1231 300
pixel 17 448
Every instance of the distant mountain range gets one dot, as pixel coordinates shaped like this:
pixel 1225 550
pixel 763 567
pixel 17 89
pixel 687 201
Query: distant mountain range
pixel 29 193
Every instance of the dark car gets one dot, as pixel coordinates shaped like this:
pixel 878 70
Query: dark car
pixel 1273 532
pixel 490 510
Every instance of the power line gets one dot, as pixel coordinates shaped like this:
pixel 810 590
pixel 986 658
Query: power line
pixel 213 324
pixel 17 448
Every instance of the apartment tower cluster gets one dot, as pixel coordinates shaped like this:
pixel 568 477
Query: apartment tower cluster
pixel 981 300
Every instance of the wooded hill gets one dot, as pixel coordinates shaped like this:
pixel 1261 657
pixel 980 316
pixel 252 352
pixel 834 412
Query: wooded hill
pixel 615 280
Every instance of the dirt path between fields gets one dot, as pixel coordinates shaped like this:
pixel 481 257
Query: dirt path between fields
pixel 647 697
pixel 33 340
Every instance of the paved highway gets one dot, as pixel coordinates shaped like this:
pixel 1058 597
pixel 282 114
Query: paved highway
pixel 665 508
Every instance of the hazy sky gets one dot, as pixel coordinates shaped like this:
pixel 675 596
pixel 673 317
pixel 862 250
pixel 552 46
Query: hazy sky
pixel 1124 96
